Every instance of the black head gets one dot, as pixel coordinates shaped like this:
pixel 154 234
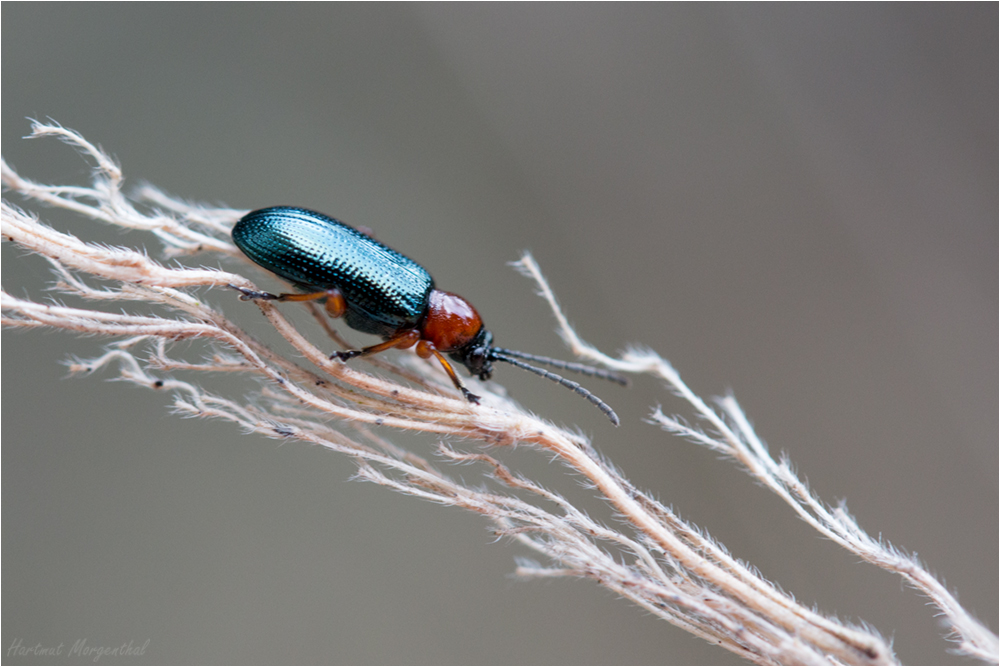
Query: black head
pixel 477 356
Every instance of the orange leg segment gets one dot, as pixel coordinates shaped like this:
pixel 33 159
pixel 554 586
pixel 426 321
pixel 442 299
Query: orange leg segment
pixel 401 340
pixel 336 306
pixel 426 349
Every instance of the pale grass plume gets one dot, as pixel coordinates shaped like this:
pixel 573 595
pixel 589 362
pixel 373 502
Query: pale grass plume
pixel 650 556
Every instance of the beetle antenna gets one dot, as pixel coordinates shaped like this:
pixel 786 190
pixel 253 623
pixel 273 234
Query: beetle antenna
pixel 575 386
pixel 565 365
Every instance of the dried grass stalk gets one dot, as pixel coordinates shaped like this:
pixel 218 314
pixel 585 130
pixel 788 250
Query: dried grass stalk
pixel 650 557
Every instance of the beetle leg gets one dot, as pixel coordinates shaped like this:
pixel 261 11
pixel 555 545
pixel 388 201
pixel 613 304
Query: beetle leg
pixel 251 295
pixel 426 349
pixel 401 340
pixel 310 296
pixel 336 306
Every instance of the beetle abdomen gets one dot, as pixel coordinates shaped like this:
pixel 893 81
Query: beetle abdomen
pixel 385 291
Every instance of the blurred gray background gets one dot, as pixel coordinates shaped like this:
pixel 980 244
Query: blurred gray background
pixel 797 203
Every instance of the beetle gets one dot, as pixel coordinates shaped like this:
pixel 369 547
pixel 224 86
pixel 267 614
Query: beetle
pixel 380 291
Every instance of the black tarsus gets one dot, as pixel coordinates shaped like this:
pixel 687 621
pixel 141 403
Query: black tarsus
pixel 252 295
pixel 502 355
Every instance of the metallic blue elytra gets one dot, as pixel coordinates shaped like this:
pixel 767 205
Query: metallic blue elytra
pixel 385 291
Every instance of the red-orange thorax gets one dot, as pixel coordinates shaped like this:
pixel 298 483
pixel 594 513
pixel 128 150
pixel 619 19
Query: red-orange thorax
pixel 451 322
